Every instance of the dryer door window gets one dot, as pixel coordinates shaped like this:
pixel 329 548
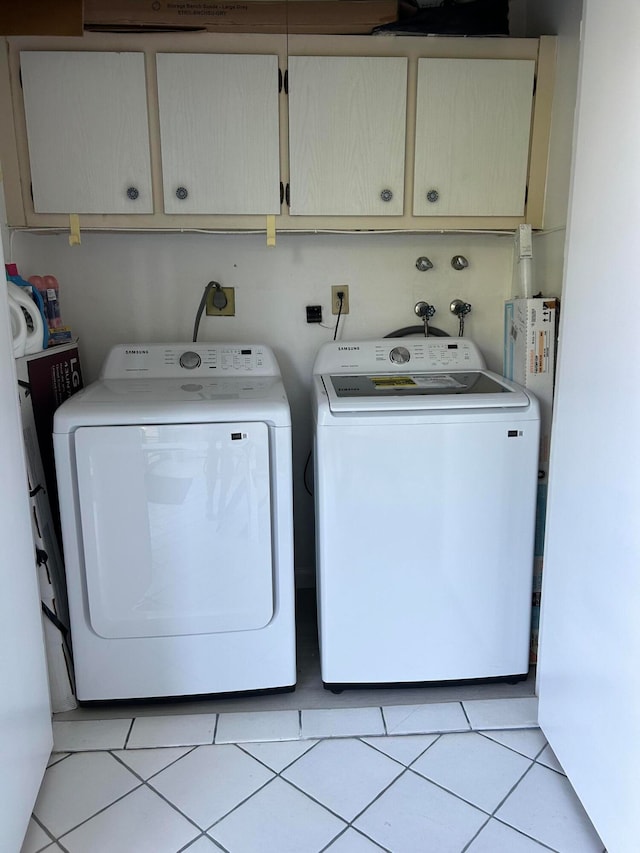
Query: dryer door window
pixel 176 525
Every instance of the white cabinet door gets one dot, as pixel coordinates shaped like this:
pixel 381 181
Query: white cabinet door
pixel 219 132
pixel 88 133
pixel 472 137
pixel 347 135
pixel 25 714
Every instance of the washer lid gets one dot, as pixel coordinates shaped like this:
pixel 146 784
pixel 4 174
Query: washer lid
pixel 418 391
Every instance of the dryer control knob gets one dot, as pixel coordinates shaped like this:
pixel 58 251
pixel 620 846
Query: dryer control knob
pixel 399 355
pixel 190 360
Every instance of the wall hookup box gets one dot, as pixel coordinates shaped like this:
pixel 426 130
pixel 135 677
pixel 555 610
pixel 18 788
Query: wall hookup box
pixel 530 335
pixel 346 17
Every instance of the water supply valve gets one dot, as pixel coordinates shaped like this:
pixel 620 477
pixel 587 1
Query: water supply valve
pixel 460 309
pixel 425 312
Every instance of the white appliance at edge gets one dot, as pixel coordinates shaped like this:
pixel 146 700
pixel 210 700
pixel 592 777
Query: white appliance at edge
pixel 425 491
pixel 174 474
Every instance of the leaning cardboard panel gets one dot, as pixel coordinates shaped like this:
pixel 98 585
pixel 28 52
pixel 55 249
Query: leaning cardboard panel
pixel 45 380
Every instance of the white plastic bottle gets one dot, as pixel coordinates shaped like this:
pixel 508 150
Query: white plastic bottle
pixel 18 327
pixel 32 316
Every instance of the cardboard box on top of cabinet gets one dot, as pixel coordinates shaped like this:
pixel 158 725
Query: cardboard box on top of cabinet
pixel 530 333
pixel 41 18
pixel 347 17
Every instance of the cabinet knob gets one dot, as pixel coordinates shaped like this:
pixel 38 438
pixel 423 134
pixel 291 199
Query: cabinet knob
pixel 132 193
pixel 182 193
pixel 433 195
pixel 386 195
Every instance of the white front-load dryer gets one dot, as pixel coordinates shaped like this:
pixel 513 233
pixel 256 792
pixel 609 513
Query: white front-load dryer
pixel 175 486
pixel 425 494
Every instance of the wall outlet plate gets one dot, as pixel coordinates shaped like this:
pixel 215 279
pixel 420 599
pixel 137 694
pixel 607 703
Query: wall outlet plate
pixel 335 302
pixel 229 309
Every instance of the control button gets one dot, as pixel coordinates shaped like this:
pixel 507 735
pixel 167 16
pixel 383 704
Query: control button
pixel 191 388
pixel 189 360
pixel 399 355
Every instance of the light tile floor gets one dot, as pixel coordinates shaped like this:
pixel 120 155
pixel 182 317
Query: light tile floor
pixel 449 777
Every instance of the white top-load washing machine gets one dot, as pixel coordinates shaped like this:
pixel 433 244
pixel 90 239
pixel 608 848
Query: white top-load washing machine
pixel 425 492
pixel 174 474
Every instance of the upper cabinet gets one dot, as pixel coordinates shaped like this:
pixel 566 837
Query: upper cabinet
pixel 88 134
pixel 347 118
pixel 473 124
pixel 208 131
pixel 219 133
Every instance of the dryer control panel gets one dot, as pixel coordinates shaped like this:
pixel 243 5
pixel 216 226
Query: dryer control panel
pixel 167 361
pixel 392 354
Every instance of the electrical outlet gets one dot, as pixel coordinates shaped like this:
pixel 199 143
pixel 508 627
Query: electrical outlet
pixel 229 309
pixel 335 301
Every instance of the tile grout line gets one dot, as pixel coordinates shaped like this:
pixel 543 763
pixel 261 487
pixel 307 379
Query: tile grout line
pixel 128 735
pixel 485 733
pixel 384 722
pixel 513 787
pixel 360 833
pixel 424 752
pixel 215 728
pixel 44 829
pixel 193 841
pixel 528 837
pixel 466 716
pixel 505 798
pixel 242 802
pixel 471 840
pixel 242 746
pixel 316 801
pixel 448 791
pixel 189 749
pixel 100 811
pixel 143 783
pixel 174 806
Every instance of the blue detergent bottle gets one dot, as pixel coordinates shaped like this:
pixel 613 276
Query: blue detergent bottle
pixel 16 278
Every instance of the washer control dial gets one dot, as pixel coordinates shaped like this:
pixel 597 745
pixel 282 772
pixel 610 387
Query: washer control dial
pixel 190 360
pixel 399 355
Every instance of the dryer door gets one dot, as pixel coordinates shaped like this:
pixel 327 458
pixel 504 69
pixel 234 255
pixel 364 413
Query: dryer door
pixel 176 525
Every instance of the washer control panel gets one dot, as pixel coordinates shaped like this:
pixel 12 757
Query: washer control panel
pixel 162 361
pixel 421 354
